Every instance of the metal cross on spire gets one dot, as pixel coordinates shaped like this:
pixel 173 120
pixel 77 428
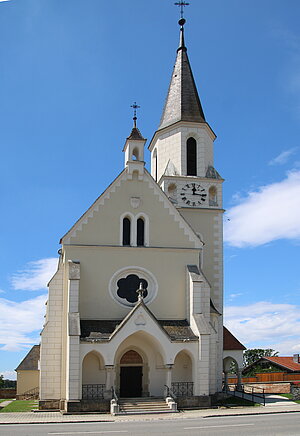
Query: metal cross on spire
pixel 181 5
pixel 140 292
pixel 135 107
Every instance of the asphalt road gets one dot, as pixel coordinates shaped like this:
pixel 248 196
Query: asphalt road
pixel 258 425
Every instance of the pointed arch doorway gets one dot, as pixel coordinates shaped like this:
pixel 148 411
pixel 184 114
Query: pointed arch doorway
pixel 131 374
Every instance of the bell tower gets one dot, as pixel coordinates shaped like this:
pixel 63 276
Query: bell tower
pixel 182 163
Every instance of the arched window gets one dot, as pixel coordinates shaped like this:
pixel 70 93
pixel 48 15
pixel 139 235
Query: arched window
pixel 154 165
pixel 191 157
pixel 126 231
pixel 212 193
pixel 140 232
pixel 135 154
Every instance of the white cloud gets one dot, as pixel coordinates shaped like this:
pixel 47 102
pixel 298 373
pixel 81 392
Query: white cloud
pixel 266 325
pixel 232 296
pixel 283 157
pixel 287 347
pixel 10 375
pixel 35 276
pixel 270 213
pixel 21 322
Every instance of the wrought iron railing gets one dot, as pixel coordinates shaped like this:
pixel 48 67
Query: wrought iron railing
pixel 93 392
pixel 169 392
pixel 114 394
pixel 183 389
pixel 32 394
pixel 255 394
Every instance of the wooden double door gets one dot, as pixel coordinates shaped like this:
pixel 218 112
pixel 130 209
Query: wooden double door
pixel 131 381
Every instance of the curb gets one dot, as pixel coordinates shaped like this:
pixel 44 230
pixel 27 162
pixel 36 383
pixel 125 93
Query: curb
pixel 255 413
pixel 146 417
pixel 52 422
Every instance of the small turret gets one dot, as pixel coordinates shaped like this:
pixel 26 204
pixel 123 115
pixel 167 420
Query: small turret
pixel 134 148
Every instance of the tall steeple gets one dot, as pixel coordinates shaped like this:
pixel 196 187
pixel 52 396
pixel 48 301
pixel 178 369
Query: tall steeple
pixel 182 102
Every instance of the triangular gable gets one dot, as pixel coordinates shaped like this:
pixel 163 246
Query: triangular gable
pixel 230 342
pixel 92 209
pixel 139 319
pixel 180 228
pixel 30 361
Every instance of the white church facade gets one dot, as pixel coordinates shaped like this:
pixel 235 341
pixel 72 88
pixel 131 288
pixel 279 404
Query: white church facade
pixel 135 307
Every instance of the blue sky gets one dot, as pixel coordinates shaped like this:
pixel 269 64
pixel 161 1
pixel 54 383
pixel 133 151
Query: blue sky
pixel 70 71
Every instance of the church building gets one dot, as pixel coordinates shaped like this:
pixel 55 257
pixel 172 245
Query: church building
pixel 135 307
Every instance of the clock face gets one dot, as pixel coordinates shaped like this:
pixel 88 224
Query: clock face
pixel 193 194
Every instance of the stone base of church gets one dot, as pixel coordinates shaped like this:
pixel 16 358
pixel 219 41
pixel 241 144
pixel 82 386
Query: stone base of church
pixel 217 397
pixel 49 404
pixel 85 406
pixel 196 402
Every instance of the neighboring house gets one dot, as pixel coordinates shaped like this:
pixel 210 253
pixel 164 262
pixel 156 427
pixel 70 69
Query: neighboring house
pixel 233 353
pixel 136 303
pixel 286 364
pixel 28 373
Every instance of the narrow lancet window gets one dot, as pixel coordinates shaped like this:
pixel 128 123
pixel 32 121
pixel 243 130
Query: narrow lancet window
pixel 140 238
pixel 126 231
pixel 191 157
pixel 154 163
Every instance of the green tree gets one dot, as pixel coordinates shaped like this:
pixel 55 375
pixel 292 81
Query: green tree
pixel 1 380
pixel 253 354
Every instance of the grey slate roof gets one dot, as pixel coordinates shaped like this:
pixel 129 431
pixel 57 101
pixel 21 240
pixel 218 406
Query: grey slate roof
pixel 136 134
pixel 101 330
pixel 30 361
pixel 182 102
pixel 178 330
pixel 212 173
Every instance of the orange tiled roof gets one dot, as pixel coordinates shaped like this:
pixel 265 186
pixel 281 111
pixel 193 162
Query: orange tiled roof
pixel 230 342
pixel 286 362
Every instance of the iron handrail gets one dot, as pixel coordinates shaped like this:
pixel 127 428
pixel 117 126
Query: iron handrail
pixel 114 394
pixel 170 393
pixel 252 394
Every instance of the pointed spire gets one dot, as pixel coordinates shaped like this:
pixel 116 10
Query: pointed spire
pixel 135 133
pixel 182 46
pixel 182 102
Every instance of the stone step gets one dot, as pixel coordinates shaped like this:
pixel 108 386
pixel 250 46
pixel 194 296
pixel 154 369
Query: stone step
pixel 148 399
pixel 143 405
pixel 135 403
pixel 164 407
pixel 143 412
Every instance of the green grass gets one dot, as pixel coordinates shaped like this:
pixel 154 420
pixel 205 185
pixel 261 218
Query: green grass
pixel 20 406
pixel 290 397
pixel 235 401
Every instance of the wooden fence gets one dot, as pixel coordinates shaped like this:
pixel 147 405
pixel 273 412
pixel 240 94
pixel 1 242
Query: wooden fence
pixel 265 377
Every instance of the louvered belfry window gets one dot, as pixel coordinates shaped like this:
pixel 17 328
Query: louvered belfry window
pixel 191 157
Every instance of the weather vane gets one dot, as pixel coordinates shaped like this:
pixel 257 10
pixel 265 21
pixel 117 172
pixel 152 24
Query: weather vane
pixel 181 5
pixel 135 107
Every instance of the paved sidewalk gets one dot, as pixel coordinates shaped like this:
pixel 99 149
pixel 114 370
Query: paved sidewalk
pixel 278 400
pixel 5 403
pixel 57 417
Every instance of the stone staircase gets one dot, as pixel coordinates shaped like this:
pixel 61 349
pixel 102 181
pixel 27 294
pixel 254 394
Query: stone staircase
pixel 143 405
